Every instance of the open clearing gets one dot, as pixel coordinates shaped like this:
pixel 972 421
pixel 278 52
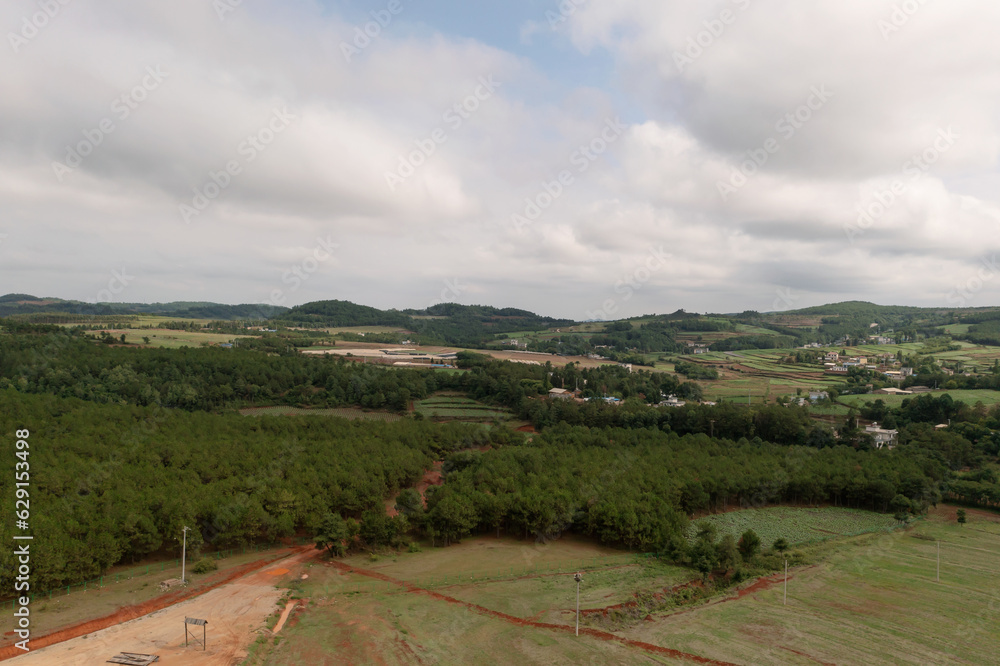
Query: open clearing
pixel 235 612
pixel 870 599
pixel 123 587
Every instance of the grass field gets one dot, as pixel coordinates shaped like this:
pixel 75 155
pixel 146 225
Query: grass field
pixel 986 396
pixel 870 599
pixel 797 525
pixel 170 339
pixel 352 413
pixel 458 408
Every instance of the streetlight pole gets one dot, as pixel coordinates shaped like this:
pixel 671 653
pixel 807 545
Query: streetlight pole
pixel 786 583
pixel 184 554
pixel 578 578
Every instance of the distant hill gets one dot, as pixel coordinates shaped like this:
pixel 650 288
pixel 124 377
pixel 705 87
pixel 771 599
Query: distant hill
pixel 853 308
pixel 26 304
pixel 445 323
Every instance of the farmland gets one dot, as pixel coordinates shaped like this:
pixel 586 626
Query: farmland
pixel 798 525
pixel 456 407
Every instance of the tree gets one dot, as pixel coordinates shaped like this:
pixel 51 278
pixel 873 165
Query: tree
pixel 961 516
pixel 333 534
pixel 749 544
pixel 728 552
pixel 780 545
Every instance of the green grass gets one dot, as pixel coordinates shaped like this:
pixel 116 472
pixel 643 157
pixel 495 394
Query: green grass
pixel 797 525
pixel 871 600
pixel 170 339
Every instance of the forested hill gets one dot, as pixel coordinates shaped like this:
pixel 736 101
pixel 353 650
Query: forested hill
pixel 26 304
pixel 447 323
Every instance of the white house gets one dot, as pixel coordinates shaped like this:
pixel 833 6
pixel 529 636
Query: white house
pixel 883 438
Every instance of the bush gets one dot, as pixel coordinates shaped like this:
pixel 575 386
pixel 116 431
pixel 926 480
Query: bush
pixel 204 565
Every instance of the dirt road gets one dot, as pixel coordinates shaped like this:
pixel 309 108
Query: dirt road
pixel 234 612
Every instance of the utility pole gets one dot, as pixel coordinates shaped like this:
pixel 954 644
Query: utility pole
pixel 578 578
pixel 711 427
pixel 786 582
pixel 939 561
pixel 184 554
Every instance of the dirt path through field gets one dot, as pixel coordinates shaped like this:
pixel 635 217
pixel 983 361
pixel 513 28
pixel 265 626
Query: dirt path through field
pixel 235 611
pixel 595 633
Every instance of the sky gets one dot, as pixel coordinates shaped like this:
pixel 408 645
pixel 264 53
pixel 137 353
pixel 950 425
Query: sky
pixel 583 159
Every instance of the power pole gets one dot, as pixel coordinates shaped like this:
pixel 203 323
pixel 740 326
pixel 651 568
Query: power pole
pixel 578 578
pixel 184 554
pixel 939 561
pixel 711 427
pixel 786 583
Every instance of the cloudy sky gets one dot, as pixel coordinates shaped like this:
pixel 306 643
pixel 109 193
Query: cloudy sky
pixel 588 159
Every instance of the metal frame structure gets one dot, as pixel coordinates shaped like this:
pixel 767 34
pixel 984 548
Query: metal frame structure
pixel 194 636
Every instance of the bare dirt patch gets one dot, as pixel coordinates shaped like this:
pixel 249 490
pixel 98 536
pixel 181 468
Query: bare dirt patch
pixel 235 606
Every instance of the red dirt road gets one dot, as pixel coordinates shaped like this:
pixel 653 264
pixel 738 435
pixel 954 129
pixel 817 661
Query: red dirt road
pixel 235 606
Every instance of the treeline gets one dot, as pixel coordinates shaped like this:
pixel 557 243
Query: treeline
pixel 635 487
pixel 259 370
pixel 113 484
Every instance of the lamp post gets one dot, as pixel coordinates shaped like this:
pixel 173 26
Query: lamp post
pixel 578 578
pixel 184 554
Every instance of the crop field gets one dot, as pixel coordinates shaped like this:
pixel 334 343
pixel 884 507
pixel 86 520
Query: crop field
pixel 351 413
pixel 987 396
pixel 797 525
pixel 460 408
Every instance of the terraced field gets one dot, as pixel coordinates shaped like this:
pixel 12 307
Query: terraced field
pixel 459 408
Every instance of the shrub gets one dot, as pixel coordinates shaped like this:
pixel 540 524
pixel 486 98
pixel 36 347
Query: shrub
pixel 204 565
